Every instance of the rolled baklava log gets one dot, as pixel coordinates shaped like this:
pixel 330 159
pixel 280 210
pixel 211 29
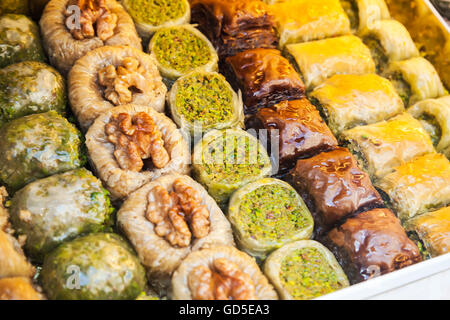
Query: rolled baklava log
pixel 346 101
pixel 265 78
pixel 382 146
pixel 167 219
pixel 151 15
pixel 431 231
pixel 334 187
pixel 299 129
pixel 234 26
pixel 418 186
pixel 415 79
pixel 111 76
pixel 131 145
pixel 388 40
pixel 363 13
pixel 304 270
pixel 371 244
pixel 434 115
pixel 304 20
pixel 18 288
pixel 72 28
pixel 319 60
pixel 201 101
pixel 225 160
pixel 179 50
pixel 220 273
pixel 266 214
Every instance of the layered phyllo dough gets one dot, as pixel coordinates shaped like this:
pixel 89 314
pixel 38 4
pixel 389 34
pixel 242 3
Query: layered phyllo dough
pixel 72 28
pixel 201 101
pixel 234 26
pixel 347 101
pixel 220 273
pixel 415 79
pixel 266 214
pixel 334 187
pixel 167 219
pixel 418 186
pixel 304 20
pixel 296 128
pixel 112 76
pixel 364 13
pixel 304 270
pixel 131 145
pixel 264 76
pixel 319 60
pixel 225 160
pixel 18 288
pixel 382 146
pixel 372 244
pixel 434 115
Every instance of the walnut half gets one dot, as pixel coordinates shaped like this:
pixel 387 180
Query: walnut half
pixel 225 281
pixel 136 138
pixel 178 215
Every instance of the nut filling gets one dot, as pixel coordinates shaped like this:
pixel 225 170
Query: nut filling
pixel 122 82
pixel 178 215
pixel 95 19
pixel 136 139
pixel 225 282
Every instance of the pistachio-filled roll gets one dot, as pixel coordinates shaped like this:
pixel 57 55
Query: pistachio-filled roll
pixel 304 20
pixel 363 13
pixel 18 288
pixel 59 208
pixel 418 186
pixel 220 273
pixel 371 244
pixel 181 49
pixel 131 145
pixel 30 87
pixel 99 266
pixel 346 100
pixel 225 160
pixel 167 219
pixel 319 60
pixel 112 76
pixel 200 101
pixel 382 146
pixel 266 214
pixel 19 40
pixel 37 146
pixel 14 6
pixel 434 115
pixel 388 40
pixel 431 230
pixel 72 28
pixel 152 15
pixel 415 79
pixel 304 270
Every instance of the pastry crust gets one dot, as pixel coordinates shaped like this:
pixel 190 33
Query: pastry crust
pixel 158 256
pixel 370 11
pixel 63 50
pixel 12 260
pixel 205 257
pixel 18 288
pixel 122 182
pixel 86 94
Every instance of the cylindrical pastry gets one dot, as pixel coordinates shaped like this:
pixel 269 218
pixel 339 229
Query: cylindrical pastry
pixel 200 101
pixel 151 218
pixel 69 31
pixel 266 214
pixel 18 288
pixel 363 13
pixel 131 145
pixel 179 50
pixel 151 15
pixel 110 76
pixel 304 270
pixel 434 115
pixel 202 274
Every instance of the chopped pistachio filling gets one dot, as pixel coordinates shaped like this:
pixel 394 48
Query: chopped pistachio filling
pixel 377 52
pixel 156 12
pixel 351 9
pixel 180 49
pixel 433 128
pixel 401 86
pixel 306 274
